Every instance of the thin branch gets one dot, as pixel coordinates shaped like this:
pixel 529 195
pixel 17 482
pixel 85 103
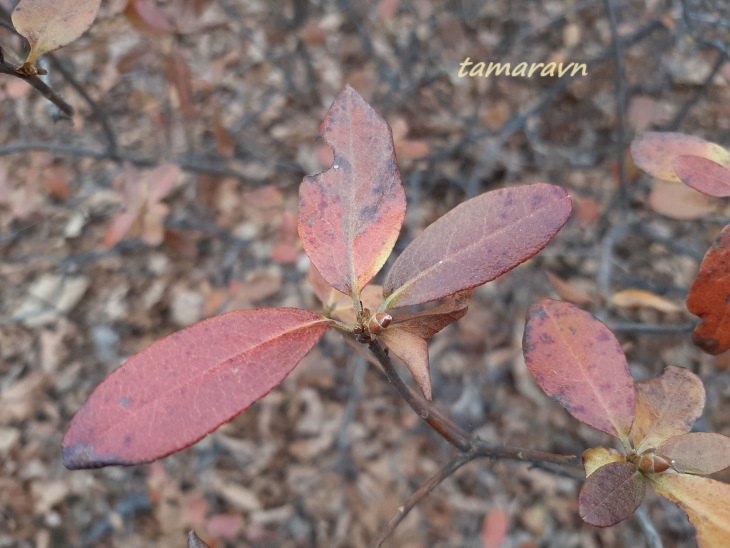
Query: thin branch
pixel 620 104
pixel 96 111
pixel 185 164
pixel 38 84
pixel 433 482
pixel 443 426
pixel 652 536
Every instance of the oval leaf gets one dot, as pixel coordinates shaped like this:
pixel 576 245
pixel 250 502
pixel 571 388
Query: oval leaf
pixel 350 215
pixel 705 501
pixel 697 452
pixel 704 175
pixel 51 24
pixel 476 242
pixel 597 457
pixel 578 362
pixel 709 298
pixel 679 201
pixel 656 153
pixel 413 350
pixel 611 494
pixel 183 387
pixel 666 406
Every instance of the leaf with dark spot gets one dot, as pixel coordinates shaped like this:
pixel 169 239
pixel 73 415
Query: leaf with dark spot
pixel 350 215
pixel 476 242
pixel 578 362
pixel 704 175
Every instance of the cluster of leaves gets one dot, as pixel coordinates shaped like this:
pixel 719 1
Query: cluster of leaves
pixel 183 387
pixel 51 24
pixel 704 166
pixel 578 362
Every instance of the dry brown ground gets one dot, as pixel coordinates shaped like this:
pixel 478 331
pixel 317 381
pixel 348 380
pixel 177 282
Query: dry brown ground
pixel 237 100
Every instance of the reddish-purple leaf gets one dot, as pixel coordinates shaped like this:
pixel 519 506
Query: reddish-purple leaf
pixel 578 362
pixel 709 297
pixel 350 215
pixel 704 175
pixel 697 452
pixel 476 242
pixel 184 386
pixel 666 406
pixel 428 322
pixel 611 494
pixel 705 501
pixel 656 153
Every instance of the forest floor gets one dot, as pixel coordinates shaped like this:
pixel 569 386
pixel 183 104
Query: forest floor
pixel 234 94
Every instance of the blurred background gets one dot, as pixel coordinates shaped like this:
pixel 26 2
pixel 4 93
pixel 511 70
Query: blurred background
pixel 217 104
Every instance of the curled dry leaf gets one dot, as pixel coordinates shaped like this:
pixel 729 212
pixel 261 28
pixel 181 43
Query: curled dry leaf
pixel 186 385
pixel 704 175
pixel 568 291
pixel 476 242
pixel 578 362
pixel 413 350
pixel 709 297
pixel 611 494
pixel 350 215
pixel 666 406
pixel 428 322
pixel 656 153
pixel 51 24
pixel 639 298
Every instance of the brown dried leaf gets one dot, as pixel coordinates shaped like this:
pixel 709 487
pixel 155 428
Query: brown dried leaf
pixel 639 298
pixel 666 406
pixel 427 323
pixel 568 292
pixel 51 24
pixel 413 350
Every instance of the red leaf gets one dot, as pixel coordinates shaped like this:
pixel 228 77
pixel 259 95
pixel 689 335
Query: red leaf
pixel 578 362
pixel 704 175
pixel 666 406
pixel 476 242
pixel 183 387
pixel 350 215
pixel 697 452
pixel 611 494
pixel 709 297
pixel 656 153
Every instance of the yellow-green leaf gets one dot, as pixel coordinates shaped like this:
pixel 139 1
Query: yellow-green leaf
pixel 705 501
